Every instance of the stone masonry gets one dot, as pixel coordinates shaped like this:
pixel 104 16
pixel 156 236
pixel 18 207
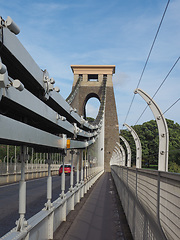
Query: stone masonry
pixel 89 89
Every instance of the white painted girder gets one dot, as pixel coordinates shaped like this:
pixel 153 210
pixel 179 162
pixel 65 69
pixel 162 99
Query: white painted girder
pixel 162 129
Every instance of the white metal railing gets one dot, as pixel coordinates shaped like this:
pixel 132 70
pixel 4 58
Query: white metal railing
pixel 29 167
pixel 12 172
pixel 44 121
pixel 151 201
pixel 44 223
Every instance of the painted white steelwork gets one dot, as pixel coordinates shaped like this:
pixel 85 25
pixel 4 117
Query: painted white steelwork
pixel 72 152
pixel 44 223
pixel 46 109
pixel 162 128
pixel 34 114
pixel 123 154
pixel 118 156
pixel 138 146
pixel 62 195
pixel 128 150
pixel 22 223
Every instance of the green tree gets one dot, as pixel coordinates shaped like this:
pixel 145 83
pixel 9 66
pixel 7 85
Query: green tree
pixel 148 134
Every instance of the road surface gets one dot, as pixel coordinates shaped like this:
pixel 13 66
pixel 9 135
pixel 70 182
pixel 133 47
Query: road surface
pixel 36 197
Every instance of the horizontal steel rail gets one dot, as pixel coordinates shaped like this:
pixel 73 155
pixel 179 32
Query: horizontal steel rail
pixel 38 105
pixel 34 114
pixel 14 132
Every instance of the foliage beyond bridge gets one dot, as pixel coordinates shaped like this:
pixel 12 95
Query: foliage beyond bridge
pixel 148 134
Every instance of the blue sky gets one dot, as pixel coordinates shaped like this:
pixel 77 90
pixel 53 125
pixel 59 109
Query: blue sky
pixel 58 34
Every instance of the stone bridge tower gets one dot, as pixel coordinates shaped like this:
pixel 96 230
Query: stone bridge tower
pixel 89 82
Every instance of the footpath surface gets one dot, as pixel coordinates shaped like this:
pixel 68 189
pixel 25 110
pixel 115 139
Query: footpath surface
pixel 99 215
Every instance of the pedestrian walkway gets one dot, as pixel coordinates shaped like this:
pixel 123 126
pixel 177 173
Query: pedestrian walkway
pixel 99 217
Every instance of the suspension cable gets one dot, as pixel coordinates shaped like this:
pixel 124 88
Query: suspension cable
pixel 166 77
pixel 159 87
pixel 172 105
pixel 148 57
pixel 153 43
pixel 129 108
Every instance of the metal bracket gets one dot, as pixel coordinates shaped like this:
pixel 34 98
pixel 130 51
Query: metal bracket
pixel 62 118
pixel 48 84
pixel 162 129
pixel 48 205
pixel 3 78
pixel 21 223
pixel 76 130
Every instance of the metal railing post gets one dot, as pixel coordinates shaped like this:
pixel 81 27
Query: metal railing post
pixel 77 176
pixel 15 159
pixel 7 159
pixel 71 175
pixel 21 223
pixel 48 205
pixel 85 165
pixel 62 195
pixel 82 175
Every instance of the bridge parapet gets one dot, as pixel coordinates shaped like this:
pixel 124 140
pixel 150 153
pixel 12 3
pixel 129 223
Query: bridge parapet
pixel 151 202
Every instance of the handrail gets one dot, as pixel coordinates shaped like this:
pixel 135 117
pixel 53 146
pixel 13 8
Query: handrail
pixel 153 195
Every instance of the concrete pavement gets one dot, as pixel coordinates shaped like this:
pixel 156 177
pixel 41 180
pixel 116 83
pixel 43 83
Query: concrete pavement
pixel 99 215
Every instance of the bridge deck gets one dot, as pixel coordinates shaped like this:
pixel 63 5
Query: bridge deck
pixel 98 216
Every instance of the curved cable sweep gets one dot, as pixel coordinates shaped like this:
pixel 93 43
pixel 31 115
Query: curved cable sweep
pixel 73 93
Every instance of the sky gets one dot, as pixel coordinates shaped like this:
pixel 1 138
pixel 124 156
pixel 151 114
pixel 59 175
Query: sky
pixel 58 34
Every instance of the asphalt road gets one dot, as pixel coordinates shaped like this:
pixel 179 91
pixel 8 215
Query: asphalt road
pixel 36 197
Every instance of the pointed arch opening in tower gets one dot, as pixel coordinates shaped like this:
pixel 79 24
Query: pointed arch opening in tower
pixel 92 108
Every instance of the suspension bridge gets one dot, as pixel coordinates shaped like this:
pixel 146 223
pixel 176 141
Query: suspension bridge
pixel 35 117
